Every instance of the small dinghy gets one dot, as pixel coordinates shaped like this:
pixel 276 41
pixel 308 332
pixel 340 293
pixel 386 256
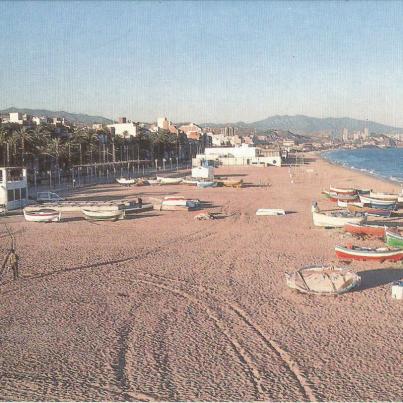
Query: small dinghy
pixel 345 191
pixel 384 196
pixel 206 184
pixel 103 215
pixel 334 219
pixel 394 238
pixel 270 211
pixel 153 181
pixel 125 182
pixel 42 215
pixel 372 211
pixel 378 203
pixel 362 253
pixel 323 280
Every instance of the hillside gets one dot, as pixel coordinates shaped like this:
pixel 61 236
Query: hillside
pixel 307 125
pixel 71 117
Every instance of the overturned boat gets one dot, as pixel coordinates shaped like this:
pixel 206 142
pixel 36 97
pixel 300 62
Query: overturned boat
pixel 323 280
pixel 103 215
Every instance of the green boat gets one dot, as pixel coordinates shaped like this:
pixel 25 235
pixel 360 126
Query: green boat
pixel 394 239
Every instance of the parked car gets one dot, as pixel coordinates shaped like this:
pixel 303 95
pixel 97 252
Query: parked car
pixel 42 197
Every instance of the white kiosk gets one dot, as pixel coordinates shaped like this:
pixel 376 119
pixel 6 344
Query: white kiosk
pixel 13 188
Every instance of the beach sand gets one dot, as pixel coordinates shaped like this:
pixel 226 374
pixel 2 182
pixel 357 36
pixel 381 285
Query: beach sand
pixel 160 306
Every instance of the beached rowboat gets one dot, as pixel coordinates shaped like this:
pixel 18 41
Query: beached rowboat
pixel 103 215
pixel 393 238
pixel 323 280
pixel 169 181
pixel 364 229
pixel 345 191
pixel 384 196
pixel 335 218
pixel 362 253
pixel 369 210
pixel 232 183
pixel 336 197
pixel 125 181
pixel 378 203
pixel 42 215
pixel 206 184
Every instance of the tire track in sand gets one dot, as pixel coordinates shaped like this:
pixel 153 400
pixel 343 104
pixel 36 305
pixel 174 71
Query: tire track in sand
pixel 244 317
pixel 242 355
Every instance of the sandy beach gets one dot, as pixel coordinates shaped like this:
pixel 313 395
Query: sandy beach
pixel 160 306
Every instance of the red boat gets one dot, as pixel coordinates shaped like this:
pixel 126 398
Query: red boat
pixel 334 197
pixel 375 254
pixel 363 229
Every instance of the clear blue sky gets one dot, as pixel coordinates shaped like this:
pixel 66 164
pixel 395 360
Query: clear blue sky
pixel 204 61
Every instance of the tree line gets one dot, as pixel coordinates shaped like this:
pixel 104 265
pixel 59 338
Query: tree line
pixel 43 148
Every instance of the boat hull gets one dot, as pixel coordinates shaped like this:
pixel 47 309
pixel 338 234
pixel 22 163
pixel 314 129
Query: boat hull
pixel 370 211
pixel 325 220
pixel 344 253
pixel 103 215
pixel 37 216
pixel 270 211
pixel 371 230
pixel 344 191
pixel 393 239
pixel 378 203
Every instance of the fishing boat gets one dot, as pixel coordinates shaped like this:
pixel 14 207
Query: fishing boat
pixel 336 197
pixel 232 183
pixel 394 238
pixel 335 218
pixel 153 181
pixel 42 215
pixel 169 181
pixel 190 181
pixel 323 280
pixel 384 196
pixel 103 215
pixel 125 182
pixel 206 184
pixel 377 212
pixel 378 203
pixel 344 204
pixel 270 211
pixel 345 191
pixel 364 192
pixel 362 253
pixel 365 229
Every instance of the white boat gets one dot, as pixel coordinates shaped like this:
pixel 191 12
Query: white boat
pixel 378 202
pixel 335 218
pixel 270 211
pixel 42 215
pixel 384 196
pixel 344 204
pixel 125 181
pixel 180 201
pixel 103 215
pixel 169 181
pixel 153 181
pixel 323 280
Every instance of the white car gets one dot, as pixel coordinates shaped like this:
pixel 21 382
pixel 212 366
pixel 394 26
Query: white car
pixel 48 197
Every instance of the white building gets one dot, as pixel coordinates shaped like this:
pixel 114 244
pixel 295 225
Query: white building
pixel 121 129
pixel 242 155
pixel 13 188
pixel 163 123
pixel 16 117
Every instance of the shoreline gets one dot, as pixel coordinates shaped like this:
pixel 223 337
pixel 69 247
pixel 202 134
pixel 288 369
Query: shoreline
pixel 366 173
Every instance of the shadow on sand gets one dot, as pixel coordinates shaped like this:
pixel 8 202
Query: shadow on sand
pixel 378 277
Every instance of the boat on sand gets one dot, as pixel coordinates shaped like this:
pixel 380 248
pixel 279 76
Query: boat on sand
pixel 364 229
pixel 394 238
pixel 270 211
pixel 125 182
pixel 369 210
pixel 103 215
pixel 363 253
pixel 334 218
pixel 42 215
pixel 345 191
pixel 323 280
pixel 232 183
pixel 169 181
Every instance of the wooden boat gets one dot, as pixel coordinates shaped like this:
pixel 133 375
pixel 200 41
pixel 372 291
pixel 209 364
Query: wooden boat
pixel 169 181
pixel 125 182
pixel 384 196
pixel 153 181
pixel 394 238
pixel 369 210
pixel 323 280
pixel 270 211
pixel 232 183
pixel 190 182
pixel 103 215
pixel 378 203
pixel 206 184
pixel 365 229
pixel 362 253
pixel 344 204
pixel 335 218
pixel 364 192
pixel 42 215
pixel 335 197
pixel 345 191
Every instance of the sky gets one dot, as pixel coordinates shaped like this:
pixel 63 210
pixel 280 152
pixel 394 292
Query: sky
pixel 204 61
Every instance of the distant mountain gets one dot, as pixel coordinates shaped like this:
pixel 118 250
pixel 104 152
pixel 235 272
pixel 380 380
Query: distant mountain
pixel 307 125
pixel 71 117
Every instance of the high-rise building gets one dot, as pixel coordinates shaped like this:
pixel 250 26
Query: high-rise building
pixel 345 135
pixel 365 134
pixel 229 131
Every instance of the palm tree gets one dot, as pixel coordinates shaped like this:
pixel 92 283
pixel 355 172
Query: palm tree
pixel 24 135
pixel 4 143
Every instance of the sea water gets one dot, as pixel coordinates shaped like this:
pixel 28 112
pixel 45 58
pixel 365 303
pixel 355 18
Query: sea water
pixel 382 162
